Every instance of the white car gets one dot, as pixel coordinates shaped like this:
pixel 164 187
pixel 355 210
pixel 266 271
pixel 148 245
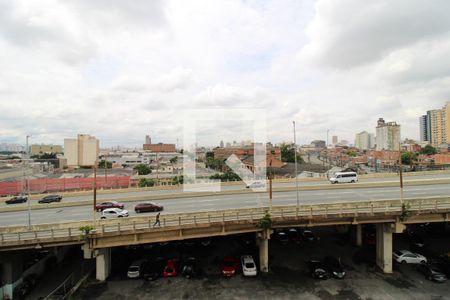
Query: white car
pixel 135 269
pixel 256 184
pixel 114 213
pixel 248 265
pixel 407 257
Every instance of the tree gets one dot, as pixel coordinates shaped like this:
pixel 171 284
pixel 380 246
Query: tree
pixel 428 150
pixel 44 156
pixel 173 160
pixel 408 158
pixel 143 182
pixel 101 164
pixel 177 180
pixel 142 169
pixel 288 152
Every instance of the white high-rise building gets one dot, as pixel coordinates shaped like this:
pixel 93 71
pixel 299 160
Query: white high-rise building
pixel 82 151
pixel 388 135
pixel 364 140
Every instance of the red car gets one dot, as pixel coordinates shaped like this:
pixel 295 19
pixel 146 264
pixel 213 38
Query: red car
pixel 148 206
pixel 109 204
pixel 170 269
pixel 229 267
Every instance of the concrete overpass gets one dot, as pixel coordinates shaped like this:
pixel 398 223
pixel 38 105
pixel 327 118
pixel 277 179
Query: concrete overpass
pixel 389 215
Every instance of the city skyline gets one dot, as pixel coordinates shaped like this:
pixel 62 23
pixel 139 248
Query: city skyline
pixel 133 67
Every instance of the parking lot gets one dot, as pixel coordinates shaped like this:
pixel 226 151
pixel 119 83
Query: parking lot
pixel 289 277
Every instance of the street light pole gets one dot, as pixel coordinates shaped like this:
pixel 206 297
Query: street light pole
pixel 28 185
pixel 400 171
pixel 295 161
pixel 94 210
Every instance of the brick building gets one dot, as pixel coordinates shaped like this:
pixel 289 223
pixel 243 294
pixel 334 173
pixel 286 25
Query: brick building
pixel 159 147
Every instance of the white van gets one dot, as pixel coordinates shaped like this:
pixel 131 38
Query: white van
pixel 340 177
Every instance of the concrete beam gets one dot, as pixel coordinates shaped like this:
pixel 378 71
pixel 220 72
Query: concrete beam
pixel 384 247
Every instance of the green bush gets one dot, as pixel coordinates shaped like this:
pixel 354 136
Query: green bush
pixel 265 222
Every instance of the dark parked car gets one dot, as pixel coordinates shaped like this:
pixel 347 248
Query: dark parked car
pixel 334 267
pixel 432 272
pixel 189 267
pixel 153 269
pixel 282 237
pixel 51 198
pixel 294 235
pixel 17 199
pixel 148 206
pixel 109 204
pixel 318 270
pixel 308 236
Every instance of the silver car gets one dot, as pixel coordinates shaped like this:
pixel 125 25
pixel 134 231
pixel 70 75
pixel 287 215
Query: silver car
pixel 407 257
pixel 114 213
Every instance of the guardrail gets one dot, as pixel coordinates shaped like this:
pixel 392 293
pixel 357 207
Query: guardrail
pixel 70 231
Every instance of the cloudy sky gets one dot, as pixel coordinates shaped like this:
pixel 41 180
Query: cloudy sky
pixel 122 69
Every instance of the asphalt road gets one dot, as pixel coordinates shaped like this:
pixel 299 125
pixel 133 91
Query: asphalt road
pixel 121 195
pixel 219 202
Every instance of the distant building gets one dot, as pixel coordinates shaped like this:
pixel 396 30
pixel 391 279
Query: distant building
pixel 388 135
pixel 148 140
pixel 364 140
pixel 425 128
pixel 221 144
pixel 319 144
pixel 37 149
pixel 82 151
pixel 334 139
pixel 160 147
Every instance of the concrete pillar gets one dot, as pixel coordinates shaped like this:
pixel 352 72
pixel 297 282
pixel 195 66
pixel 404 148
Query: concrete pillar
pixel 384 247
pixel 358 233
pixel 11 268
pixel 263 244
pixel 103 264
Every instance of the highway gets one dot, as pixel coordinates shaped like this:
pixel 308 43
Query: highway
pixel 219 202
pixel 118 196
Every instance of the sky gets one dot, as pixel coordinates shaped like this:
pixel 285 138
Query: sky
pixel 120 70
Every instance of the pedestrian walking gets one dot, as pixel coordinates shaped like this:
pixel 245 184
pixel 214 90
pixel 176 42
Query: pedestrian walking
pixel 157 220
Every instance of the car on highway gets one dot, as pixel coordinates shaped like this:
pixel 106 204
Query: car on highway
pixel 432 272
pixel 109 204
pixel 50 198
pixel 148 206
pixel 344 177
pixel 317 269
pixel 408 257
pixel 248 266
pixel 170 270
pixel 334 267
pixel 114 213
pixel 256 184
pixel 17 199
pixel 229 266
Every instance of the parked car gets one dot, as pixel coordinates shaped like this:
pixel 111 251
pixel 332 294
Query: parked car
pixel 136 269
pixel 109 204
pixel 294 235
pixel 308 235
pixel 189 267
pixel 229 266
pixel 248 266
pixel 334 267
pixel 154 268
pixel 432 272
pixel 408 257
pixel 415 240
pixel 281 237
pixel 51 198
pixel 317 269
pixel 17 199
pixel 114 213
pixel 148 206
pixel 170 270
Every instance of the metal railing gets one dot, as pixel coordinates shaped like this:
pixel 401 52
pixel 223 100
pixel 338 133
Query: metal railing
pixel 71 230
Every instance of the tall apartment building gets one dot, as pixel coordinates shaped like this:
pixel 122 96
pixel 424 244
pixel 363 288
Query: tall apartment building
pixel 425 128
pixel 364 140
pixel 334 139
pixel 82 151
pixel 435 126
pixel 388 135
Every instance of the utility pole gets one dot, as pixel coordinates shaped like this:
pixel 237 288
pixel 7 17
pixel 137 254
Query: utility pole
pixel 328 130
pixel 270 176
pixel 28 185
pixel 95 191
pixel 400 171
pixel 295 161
pixel 106 169
pixel 157 169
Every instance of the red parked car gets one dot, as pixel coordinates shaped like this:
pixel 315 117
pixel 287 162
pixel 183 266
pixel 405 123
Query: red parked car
pixel 170 269
pixel 148 206
pixel 229 267
pixel 109 204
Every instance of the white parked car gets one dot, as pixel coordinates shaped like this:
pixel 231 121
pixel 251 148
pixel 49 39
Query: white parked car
pixel 248 265
pixel 114 213
pixel 407 257
pixel 135 269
